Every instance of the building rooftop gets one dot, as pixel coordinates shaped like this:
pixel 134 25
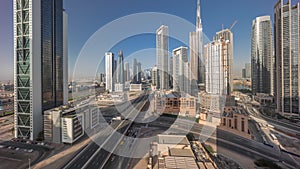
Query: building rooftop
pixel 180 162
pixel 173 139
pixel 181 152
pixel 230 111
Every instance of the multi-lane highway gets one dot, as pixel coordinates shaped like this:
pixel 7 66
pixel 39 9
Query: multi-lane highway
pixel 95 154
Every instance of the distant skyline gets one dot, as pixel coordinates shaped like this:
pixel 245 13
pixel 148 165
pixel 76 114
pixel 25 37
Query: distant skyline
pixel 86 17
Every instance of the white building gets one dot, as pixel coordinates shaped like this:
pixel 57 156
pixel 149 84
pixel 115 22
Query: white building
pixel 162 48
pixel 72 128
pixel 262 56
pixel 54 127
pixel 180 70
pixel 218 64
pixel 135 87
pixel 109 71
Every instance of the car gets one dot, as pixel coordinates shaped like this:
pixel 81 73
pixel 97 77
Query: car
pixel 30 151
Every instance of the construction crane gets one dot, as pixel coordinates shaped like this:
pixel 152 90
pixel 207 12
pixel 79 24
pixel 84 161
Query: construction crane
pixel 234 23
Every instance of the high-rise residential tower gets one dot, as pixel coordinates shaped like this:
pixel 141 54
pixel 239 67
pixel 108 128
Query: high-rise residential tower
pixel 65 60
pixel 139 72
pixel 180 73
pixel 286 39
pixel 39 61
pixel 248 70
pixel 162 49
pixel 120 68
pixel 134 70
pixel 194 63
pixel 262 56
pixel 154 76
pixel 171 72
pixel 127 75
pixel 218 63
pixel 109 71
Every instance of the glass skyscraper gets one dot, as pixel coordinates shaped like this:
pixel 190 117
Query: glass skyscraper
pixel 262 56
pixel 110 71
pixel 162 48
pixel 286 33
pixel 39 60
pixel 120 68
pixel 196 53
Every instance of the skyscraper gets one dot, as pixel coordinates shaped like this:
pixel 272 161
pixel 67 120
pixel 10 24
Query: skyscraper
pixel 286 39
pixel 134 70
pixel 218 63
pixel 39 60
pixel 180 66
pixel 199 35
pixel 139 72
pixel 196 53
pixel 120 75
pixel 194 63
pixel 162 48
pixel 244 73
pixel 248 70
pixel 171 72
pixel 65 60
pixel 154 77
pixel 127 75
pixel 109 71
pixel 262 56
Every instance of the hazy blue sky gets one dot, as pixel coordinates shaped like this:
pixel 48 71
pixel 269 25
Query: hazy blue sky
pixel 87 16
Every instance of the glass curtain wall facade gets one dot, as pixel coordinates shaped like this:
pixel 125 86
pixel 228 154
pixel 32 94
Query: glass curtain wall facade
pixel 286 33
pixel 262 56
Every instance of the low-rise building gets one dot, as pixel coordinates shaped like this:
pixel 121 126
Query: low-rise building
pixel 64 119
pixel 235 120
pixel 72 128
pixel 119 87
pixel 135 87
pixel 211 106
pixel 263 99
pixel 175 151
pixel 175 104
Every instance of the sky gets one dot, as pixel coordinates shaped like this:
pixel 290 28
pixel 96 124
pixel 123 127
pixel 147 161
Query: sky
pixel 99 24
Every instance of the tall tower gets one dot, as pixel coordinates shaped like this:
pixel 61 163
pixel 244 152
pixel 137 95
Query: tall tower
pixel 196 53
pixel 139 72
pixel 109 71
pixel 65 60
pixel 134 70
pixel 218 63
pixel 180 66
pixel 162 49
pixel 127 71
pixel 120 76
pixel 171 72
pixel 199 36
pixel 287 55
pixel 262 56
pixel 39 61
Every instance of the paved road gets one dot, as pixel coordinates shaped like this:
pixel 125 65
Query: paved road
pixel 93 156
pixel 101 157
